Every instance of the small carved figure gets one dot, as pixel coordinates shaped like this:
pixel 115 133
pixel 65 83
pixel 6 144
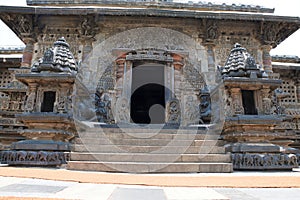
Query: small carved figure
pixel 173 110
pixel 290 159
pixel 275 160
pixel 237 159
pixel 205 106
pixel 248 160
pixel 32 156
pixel 212 30
pixel 4 157
pixel 259 160
pixel 191 112
pixel 30 102
pixel 48 56
pixel 63 158
pixel 103 108
pixel 278 95
pixel 21 156
pixel 12 156
pixel 43 156
pixel 53 157
pixel 25 24
pixel 123 110
pixel 267 160
pixel 4 104
pixel 86 27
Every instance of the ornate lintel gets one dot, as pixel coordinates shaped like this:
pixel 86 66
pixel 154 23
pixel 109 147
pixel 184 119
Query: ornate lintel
pixel 149 54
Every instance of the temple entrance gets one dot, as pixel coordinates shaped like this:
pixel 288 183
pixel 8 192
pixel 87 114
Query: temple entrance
pixel 148 94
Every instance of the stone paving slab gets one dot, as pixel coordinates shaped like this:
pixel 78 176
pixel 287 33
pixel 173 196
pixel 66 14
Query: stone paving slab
pixel 121 193
pixel 87 191
pixel 193 194
pixel 46 189
pixel 236 179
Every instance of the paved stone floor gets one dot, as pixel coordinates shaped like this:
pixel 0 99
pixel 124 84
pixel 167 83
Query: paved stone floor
pixel 12 187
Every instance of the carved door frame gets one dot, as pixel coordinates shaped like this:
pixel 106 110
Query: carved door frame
pixel 171 60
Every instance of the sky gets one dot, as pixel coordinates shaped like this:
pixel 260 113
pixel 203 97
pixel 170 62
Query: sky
pixel 282 7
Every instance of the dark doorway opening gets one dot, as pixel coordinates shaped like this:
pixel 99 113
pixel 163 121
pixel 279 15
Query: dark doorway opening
pixel 249 102
pixel 48 101
pixel 148 94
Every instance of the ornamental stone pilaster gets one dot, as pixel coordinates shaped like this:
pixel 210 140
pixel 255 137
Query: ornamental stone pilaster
pixel 211 57
pixel 237 104
pixel 27 52
pixel 31 98
pixel 266 101
pixel 267 61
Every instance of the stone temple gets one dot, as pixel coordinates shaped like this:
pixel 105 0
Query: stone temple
pixel 149 86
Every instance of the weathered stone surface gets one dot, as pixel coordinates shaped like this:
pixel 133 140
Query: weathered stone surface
pixel 110 41
pixel 254 147
pixel 41 145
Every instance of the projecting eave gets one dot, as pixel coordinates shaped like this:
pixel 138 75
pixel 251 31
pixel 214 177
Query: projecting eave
pixel 284 26
pixel 127 11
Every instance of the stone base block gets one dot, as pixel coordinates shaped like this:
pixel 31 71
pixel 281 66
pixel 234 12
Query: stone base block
pixel 47 145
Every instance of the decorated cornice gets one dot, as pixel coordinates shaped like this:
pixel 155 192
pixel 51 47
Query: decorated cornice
pixel 155 4
pixel 271 29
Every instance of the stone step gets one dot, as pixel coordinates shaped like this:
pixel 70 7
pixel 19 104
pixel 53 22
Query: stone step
pixel 147 149
pixel 147 142
pixel 150 167
pixel 152 135
pixel 148 129
pixel 142 157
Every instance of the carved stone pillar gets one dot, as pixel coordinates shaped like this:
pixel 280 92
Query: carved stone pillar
pixel 266 101
pixel 237 104
pixel 28 52
pixel 123 102
pixel 62 101
pixel 267 62
pixel 211 58
pixel 127 80
pixel 120 65
pixel 87 47
pixel 169 82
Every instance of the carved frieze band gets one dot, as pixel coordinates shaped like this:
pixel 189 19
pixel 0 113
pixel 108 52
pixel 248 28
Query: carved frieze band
pixel 264 161
pixel 13 157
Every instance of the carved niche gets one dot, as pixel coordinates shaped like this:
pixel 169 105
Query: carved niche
pixel 210 30
pixel 123 111
pixel 88 26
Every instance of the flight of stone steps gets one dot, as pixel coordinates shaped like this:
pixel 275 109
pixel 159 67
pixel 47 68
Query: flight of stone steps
pixel 148 150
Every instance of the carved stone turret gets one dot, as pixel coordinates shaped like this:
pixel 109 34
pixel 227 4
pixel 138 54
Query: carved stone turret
pixel 48 109
pixel 241 64
pixel 250 121
pixel 57 59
